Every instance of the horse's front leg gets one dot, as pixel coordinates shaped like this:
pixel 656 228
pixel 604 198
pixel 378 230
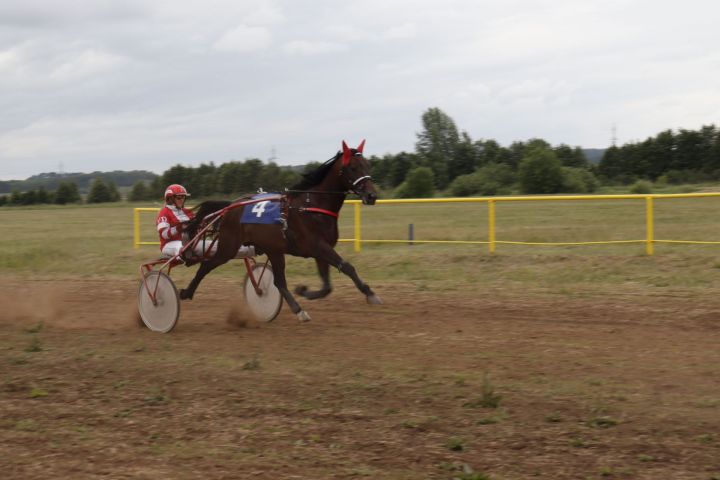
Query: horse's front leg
pixel 278 263
pixel 329 255
pixel 324 271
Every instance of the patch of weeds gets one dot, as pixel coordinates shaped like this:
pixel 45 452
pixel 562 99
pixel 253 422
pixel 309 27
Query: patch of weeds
pixel 579 443
pixel 38 393
pixel 488 398
pixel 19 361
pixel 410 424
pixel 606 472
pixel 603 422
pixel 646 458
pixel 472 476
pixel 139 348
pixel 391 411
pixel 455 444
pixel 707 438
pixel 120 384
pixel 27 425
pixel 553 418
pixel 35 329
pixel 252 364
pixel 157 399
pixel 460 382
pixel 362 472
pixel 708 403
pixel 35 345
pixel 462 471
pixel 122 413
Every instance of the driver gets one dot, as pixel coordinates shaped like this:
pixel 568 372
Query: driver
pixel 171 220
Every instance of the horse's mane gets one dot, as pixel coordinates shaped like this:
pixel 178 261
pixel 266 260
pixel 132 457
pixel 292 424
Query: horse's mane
pixel 201 211
pixel 312 178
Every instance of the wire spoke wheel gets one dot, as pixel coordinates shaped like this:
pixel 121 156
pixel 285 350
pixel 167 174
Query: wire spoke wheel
pixel 265 305
pixel 162 314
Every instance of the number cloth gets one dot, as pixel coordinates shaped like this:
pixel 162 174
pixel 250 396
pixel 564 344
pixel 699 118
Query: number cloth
pixel 266 212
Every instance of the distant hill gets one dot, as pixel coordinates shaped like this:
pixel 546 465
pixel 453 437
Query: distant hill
pixel 50 181
pixel 594 155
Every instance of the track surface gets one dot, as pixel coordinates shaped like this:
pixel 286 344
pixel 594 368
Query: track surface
pixel 626 386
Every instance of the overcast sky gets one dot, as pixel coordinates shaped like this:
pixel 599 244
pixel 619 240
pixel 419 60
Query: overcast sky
pixel 145 84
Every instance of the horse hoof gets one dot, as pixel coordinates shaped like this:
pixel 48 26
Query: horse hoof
pixel 374 300
pixel 184 295
pixel 303 316
pixel 300 290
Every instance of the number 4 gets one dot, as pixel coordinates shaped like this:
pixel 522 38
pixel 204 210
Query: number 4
pixel 259 208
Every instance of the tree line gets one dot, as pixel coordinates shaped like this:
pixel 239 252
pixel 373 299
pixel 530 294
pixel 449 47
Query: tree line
pixel 67 192
pixel 445 162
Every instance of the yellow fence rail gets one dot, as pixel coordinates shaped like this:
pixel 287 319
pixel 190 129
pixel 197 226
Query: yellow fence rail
pixel 492 241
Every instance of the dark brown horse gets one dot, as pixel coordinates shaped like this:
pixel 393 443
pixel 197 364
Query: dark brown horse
pixel 309 228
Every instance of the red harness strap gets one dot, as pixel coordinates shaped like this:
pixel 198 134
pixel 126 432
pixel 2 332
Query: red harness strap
pixel 320 210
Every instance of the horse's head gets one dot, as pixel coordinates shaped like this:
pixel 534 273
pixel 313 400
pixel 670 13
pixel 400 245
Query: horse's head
pixel 355 173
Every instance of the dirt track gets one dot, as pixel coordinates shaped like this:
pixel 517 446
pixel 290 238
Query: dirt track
pixel 621 387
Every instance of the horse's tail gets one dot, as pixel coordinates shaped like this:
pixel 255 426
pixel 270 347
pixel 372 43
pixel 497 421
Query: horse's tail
pixel 202 210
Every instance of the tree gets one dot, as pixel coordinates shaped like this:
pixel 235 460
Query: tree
pixel 139 192
pixel 42 195
pixel 271 178
pixel 114 194
pixel 67 192
pixel 401 164
pixel 540 171
pixel 491 179
pixel 465 159
pixel 437 143
pixel 99 192
pixel 419 184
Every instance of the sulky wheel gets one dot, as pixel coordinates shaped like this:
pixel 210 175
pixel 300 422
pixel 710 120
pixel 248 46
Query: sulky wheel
pixel 266 304
pixel 162 314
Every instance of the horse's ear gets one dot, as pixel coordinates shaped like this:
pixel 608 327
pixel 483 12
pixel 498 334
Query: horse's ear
pixel 345 154
pixel 361 146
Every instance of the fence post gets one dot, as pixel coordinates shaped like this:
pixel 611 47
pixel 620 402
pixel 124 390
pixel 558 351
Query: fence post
pixel 136 228
pixel 491 225
pixel 649 226
pixel 357 227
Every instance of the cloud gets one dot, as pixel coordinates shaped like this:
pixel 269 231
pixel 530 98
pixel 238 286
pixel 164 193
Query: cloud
pixel 402 31
pixel 244 38
pixel 87 63
pixel 304 47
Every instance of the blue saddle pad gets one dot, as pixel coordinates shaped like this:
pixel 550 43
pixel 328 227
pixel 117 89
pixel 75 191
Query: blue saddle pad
pixel 265 212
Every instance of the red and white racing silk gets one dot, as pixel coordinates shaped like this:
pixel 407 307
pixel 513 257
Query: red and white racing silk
pixel 168 221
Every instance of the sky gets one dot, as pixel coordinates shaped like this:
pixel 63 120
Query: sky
pixel 89 85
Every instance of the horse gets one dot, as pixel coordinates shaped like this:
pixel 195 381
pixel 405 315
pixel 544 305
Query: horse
pixel 309 228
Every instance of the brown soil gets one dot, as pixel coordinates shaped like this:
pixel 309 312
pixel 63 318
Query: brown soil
pixel 507 385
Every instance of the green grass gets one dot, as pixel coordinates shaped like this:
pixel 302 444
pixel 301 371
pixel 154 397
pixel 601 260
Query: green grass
pixel 97 240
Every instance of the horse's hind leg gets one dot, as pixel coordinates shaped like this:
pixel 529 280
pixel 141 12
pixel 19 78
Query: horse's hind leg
pixel 205 268
pixel 324 271
pixel 278 263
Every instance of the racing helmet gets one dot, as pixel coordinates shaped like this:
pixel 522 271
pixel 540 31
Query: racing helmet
pixel 175 189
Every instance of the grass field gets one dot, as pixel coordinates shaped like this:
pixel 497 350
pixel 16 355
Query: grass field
pixel 564 363
pixel 98 241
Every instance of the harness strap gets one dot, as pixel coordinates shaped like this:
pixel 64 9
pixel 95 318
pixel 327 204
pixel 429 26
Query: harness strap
pixel 319 210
